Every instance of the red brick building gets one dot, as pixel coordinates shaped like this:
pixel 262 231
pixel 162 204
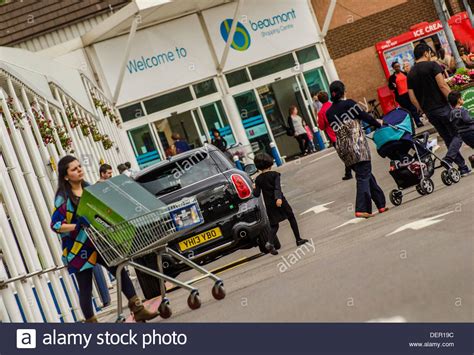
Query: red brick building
pixel 358 25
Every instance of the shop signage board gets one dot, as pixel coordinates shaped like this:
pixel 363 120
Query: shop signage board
pixel 162 57
pixel 266 28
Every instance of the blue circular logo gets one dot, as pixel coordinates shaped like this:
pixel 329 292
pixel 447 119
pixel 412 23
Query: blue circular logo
pixel 241 40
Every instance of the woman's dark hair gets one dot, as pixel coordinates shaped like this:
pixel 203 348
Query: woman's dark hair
pixel 441 53
pixel 64 187
pixel 290 110
pixel 323 97
pixel 395 63
pixel 128 164
pixel 337 90
pixel 215 130
pixel 453 98
pixel 263 161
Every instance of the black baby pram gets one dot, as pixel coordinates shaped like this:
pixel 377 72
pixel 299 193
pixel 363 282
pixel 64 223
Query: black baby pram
pixel 412 162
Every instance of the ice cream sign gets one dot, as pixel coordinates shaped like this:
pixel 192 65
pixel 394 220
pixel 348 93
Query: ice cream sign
pixel 423 31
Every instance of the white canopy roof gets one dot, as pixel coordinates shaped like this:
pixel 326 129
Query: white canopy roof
pixel 37 71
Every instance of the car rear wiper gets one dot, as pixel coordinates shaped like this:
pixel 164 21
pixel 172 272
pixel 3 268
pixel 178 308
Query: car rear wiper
pixel 168 189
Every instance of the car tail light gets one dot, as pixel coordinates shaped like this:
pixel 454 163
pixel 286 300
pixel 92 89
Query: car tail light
pixel 243 189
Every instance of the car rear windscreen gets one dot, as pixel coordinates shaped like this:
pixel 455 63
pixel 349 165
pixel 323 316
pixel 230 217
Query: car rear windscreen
pixel 178 174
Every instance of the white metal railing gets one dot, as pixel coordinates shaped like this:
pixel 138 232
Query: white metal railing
pixel 35 286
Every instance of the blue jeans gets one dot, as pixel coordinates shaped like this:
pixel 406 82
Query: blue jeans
pixel 439 118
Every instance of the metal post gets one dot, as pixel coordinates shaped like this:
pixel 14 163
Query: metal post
pixel 469 12
pixel 449 33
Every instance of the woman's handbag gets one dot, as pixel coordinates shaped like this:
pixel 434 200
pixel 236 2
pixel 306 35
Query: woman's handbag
pixel 290 131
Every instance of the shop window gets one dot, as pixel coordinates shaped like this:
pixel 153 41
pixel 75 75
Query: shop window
pixel 215 117
pixel 307 54
pixel 131 112
pixel 143 146
pixel 168 100
pixel 205 88
pixel 237 77
pixel 316 80
pixel 272 66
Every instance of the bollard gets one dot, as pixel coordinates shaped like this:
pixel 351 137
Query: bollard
pixel 238 163
pixel 275 154
pixel 318 139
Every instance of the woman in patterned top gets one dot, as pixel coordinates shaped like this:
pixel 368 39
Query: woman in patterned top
pixel 344 117
pixel 79 254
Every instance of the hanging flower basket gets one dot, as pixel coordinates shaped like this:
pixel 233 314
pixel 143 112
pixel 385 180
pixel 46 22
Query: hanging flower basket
pixel 107 142
pixel 16 115
pixel 66 141
pixel 96 135
pixel 71 117
pixel 85 127
pixel 45 126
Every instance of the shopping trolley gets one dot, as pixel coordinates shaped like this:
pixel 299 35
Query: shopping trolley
pixel 150 233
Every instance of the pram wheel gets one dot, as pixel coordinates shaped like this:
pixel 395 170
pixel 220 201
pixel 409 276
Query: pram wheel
pixel 164 309
pixel 454 175
pixel 420 190
pixel 218 291
pixel 396 197
pixel 194 302
pixel 445 178
pixel 427 186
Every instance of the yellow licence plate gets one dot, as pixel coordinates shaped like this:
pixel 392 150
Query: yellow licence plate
pixel 199 239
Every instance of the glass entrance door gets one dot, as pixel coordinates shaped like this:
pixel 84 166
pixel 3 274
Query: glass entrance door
pixel 276 99
pixel 182 124
pixel 253 121
pixel 144 146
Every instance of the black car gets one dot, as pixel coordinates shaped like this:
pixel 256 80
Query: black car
pixel 233 218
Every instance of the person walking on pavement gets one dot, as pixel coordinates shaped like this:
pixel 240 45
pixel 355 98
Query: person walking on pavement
pixel 79 254
pixel 278 208
pixel 344 117
pixel 428 91
pixel 398 83
pixel 323 125
pixel 105 171
pixel 297 126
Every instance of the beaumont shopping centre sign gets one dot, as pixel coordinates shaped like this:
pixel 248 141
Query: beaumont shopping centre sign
pixel 177 53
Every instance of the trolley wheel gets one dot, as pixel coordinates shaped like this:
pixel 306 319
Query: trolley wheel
pixel 420 190
pixel 427 186
pixel 120 319
pixel 396 197
pixel 194 302
pixel 164 309
pixel 454 175
pixel 218 291
pixel 446 178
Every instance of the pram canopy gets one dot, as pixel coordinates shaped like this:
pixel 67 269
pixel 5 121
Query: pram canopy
pixel 395 137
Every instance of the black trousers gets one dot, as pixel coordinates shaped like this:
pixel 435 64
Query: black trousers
pixel 303 142
pixel 367 188
pixel 405 102
pixel 84 279
pixel 294 227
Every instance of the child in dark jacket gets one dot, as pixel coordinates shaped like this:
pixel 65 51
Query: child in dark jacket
pixel 278 208
pixel 462 120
